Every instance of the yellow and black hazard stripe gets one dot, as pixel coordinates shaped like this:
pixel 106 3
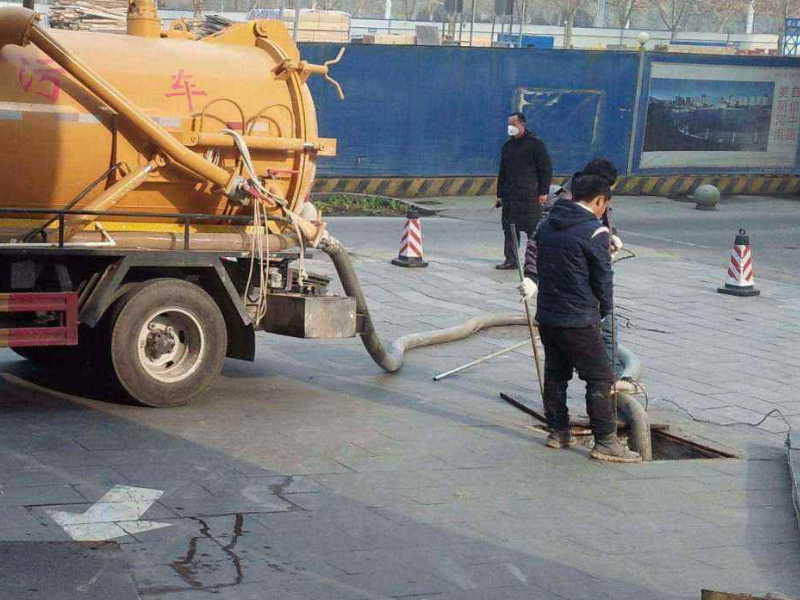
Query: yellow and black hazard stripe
pixel 681 185
pixel 635 185
pixel 409 187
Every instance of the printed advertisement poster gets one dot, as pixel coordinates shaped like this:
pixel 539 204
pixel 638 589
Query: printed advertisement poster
pixel 721 116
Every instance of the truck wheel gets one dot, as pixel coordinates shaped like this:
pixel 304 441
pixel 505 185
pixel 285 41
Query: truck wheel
pixel 168 342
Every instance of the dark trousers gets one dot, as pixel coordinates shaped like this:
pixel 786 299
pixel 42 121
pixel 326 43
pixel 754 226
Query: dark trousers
pixel 580 349
pixel 524 214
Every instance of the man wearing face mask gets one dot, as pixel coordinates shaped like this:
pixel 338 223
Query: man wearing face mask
pixel 523 183
pixel 575 293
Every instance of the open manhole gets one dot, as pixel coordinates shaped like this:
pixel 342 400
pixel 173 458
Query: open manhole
pixel 668 444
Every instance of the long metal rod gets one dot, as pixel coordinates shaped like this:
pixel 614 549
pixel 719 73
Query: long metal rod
pixel 111 196
pixel 614 359
pixel 531 328
pixel 36 231
pixel 526 409
pixel 122 213
pixel 479 361
pixel 472 23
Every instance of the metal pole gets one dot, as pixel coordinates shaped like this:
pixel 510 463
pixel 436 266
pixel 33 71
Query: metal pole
pixel 614 360
pixel 522 21
pixel 635 116
pixel 296 32
pixel 479 361
pixel 528 315
pixel 472 22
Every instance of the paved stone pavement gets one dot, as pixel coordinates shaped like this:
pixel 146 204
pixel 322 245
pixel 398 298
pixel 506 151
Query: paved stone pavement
pixel 310 474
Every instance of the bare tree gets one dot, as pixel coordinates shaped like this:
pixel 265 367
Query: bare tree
pixel 410 10
pixel 622 11
pixel 569 8
pixel 431 7
pixel 726 10
pixel 780 10
pixel 674 13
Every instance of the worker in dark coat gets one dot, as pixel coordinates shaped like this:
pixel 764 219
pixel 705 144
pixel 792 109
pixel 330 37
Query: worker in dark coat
pixel 575 293
pixel 523 183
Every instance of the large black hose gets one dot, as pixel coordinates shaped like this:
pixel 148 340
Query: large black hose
pixel 391 359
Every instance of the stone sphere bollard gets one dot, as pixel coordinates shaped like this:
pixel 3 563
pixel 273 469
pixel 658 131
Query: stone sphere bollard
pixel 706 197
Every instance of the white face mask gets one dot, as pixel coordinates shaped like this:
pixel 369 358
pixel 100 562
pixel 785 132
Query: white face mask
pixel 513 130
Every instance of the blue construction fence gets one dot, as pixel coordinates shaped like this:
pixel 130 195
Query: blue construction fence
pixel 423 111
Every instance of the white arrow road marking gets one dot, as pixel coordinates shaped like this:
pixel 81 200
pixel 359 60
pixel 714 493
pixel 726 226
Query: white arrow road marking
pixel 115 515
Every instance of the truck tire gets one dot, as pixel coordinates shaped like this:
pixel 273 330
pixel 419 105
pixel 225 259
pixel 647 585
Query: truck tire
pixel 167 341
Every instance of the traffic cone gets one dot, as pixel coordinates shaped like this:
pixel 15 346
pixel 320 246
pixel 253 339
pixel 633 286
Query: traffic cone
pixel 411 242
pixel 741 279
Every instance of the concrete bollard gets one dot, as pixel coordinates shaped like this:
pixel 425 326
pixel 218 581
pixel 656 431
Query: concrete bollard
pixel 706 197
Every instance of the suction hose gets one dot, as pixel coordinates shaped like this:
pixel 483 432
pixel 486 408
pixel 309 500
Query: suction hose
pixel 391 359
pixel 633 414
pixel 630 411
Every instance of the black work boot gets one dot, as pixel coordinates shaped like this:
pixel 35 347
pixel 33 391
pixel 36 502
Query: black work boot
pixel 608 448
pixel 561 439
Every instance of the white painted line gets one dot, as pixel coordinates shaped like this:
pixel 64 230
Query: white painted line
pixel 115 515
pixel 42 108
pixel 666 239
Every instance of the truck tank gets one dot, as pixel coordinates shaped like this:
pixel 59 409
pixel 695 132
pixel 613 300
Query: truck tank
pixel 56 137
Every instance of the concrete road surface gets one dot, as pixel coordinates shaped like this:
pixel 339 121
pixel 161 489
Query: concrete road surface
pixel 311 474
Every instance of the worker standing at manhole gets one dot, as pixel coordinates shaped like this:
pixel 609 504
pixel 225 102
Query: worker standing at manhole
pixel 575 293
pixel 605 169
pixel 523 183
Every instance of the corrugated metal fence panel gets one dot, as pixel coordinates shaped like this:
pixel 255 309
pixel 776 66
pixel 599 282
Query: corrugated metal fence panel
pixel 425 111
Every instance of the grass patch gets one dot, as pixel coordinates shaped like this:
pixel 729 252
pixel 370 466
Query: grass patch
pixel 358 205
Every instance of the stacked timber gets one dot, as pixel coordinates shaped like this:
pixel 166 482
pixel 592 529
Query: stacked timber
pixel 408 39
pixel 313 25
pixel 89 15
pixel 322 26
pixel 210 25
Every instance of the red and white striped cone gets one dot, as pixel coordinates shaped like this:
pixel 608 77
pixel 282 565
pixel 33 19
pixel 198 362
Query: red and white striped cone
pixel 741 279
pixel 411 243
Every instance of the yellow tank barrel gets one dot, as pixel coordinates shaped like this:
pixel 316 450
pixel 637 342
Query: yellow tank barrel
pixel 97 85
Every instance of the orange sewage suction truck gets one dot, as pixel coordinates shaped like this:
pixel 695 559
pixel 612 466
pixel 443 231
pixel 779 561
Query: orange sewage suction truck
pixel 154 201
pixel 154 209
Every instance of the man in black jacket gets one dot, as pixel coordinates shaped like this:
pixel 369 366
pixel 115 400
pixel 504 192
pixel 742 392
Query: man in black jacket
pixel 522 184
pixel 575 293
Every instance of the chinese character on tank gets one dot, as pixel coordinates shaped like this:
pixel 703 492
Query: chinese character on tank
pixel 184 87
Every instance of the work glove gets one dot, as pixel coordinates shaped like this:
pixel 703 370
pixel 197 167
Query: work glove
pixel 616 244
pixel 527 289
